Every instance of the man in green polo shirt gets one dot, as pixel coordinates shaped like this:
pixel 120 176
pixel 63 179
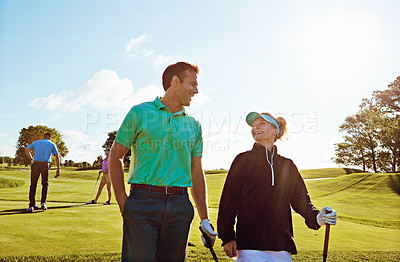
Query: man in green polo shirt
pixel 166 156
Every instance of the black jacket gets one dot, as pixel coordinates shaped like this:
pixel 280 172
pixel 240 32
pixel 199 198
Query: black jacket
pixel 263 210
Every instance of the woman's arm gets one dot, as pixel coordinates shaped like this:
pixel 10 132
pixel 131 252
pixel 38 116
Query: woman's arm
pixel 300 199
pixel 229 203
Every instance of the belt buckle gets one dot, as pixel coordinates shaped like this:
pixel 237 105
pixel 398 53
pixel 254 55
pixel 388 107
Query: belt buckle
pixel 166 191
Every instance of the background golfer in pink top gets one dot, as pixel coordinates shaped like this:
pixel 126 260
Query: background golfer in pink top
pixel 104 181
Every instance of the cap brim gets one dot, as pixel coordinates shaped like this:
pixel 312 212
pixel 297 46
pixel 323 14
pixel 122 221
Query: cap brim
pixel 251 117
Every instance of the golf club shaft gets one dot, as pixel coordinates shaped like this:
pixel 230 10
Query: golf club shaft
pixel 94 187
pixel 326 242
pixel 213 254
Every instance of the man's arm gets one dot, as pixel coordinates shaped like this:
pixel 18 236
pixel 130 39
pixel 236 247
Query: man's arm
pixel 199 194
pixel 58 172
pixel 116 170
pixel 28 153
pixel 199 188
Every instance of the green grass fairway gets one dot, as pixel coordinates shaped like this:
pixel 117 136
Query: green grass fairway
pixel 368 226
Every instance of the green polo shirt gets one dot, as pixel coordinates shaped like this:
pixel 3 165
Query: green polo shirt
pixel 162 144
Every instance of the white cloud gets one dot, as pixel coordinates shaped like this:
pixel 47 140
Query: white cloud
pixel 81 147
pixel 134 49
pixel 53 101
pixel 212 89
pixel 134 42
pixel 105 90
pixel 4 134
pixel 73 136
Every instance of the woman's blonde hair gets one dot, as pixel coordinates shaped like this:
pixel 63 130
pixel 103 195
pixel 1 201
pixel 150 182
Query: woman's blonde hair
pixel 282 126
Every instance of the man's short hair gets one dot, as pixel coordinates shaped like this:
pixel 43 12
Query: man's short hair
pixel 179 69
pixel 47 136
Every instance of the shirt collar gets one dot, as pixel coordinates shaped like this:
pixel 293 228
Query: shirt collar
pixel 159 105
pixel 259 148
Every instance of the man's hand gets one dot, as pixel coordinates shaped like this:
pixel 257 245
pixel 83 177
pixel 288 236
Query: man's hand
pixel 57 173
pixel 326 216
pixel 230 249
pixel 208 229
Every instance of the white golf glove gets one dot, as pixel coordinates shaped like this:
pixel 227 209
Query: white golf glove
pixel 326 216
pixel 209 230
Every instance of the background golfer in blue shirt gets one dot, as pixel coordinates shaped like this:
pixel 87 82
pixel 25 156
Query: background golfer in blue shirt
pixel 43 149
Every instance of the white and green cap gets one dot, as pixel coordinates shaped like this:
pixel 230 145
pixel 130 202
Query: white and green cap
pixel 254 115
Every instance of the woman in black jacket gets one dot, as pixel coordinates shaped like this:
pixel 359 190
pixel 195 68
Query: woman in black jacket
pixel 260 190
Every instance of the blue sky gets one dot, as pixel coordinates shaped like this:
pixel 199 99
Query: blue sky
pixel 79 66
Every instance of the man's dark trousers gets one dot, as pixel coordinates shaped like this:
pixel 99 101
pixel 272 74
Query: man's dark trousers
pixel 37 169
pixel 156 226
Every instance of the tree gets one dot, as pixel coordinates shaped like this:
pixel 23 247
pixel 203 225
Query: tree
pixel 350 153
pixel 109 142
pixel 362 134
pixel 28 135
pixel 389 136
pixel 372 137
pixel 69 163
pixel 7 160
pixel 84 164
pixel 388 102
pixel 390 98
pixel 98 162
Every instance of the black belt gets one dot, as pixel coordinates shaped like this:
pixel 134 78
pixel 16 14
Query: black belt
pixel 168 190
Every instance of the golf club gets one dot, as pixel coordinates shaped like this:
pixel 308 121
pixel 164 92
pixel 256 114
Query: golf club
pixel 93 189
pixel 208 244
pixel 326 241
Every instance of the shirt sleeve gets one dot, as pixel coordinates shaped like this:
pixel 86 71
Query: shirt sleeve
pixel 127 132
pixel 301 202
pixel 198 146
pixel 55 151
pixel 229 203
pixel 31 146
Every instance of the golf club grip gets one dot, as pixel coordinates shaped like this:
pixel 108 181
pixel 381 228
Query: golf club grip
pixel 208 240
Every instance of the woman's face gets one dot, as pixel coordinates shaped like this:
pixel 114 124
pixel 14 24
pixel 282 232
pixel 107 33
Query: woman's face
pixel 263 130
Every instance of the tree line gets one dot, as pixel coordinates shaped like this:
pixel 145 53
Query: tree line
pixel 372 135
